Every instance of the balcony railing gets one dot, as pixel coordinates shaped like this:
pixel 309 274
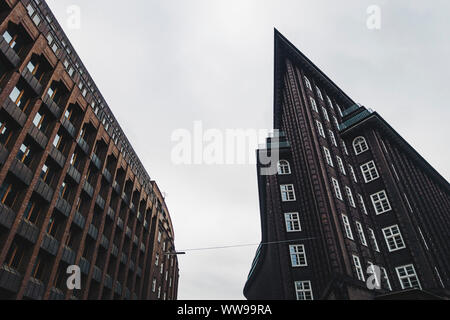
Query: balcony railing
pixel 93 231
pixel 87 187
pixel 110 213
pixel 9 52
pixel 125 198
pixel 97 274
pixel 116 187
pixel 96 161
pixel 28 231
pixel 59 158
pixel 38 136
pixel 21 171
pixel 50 244
pixel 34 289
pixel 83 145
pixel 10 278
pixel 3 154
pixel 70 128
pixel 68 255
pixel 56 294
pixel 74 174
pixel 32 81
pixel 7 216
pixel 79 220
pixel 84 265
pixel 104 242
pixel 100 202
pixel 114 250
pixel 63 206
pixel 44 190
pixel 15 112
pixel 107 175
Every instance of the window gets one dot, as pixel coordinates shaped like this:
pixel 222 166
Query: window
pixel 347 227
pixel 394 239
pixel 341 165
pixel 360 145
pixel 159 292
pixel 319 93
pixel 308 83
pixel 362 236
pixel 156 259
pixel 336 122
pixel 369 171
pixel 57 141
pixel 313 104
pixel 362 203
pixel 408 277
pixel 23 154
pixel 330 103
pixel 350 196
pixel 292 222
pixel 328 156
pixel 325 114
pixel 154 285
pixel 358 268
pixel 36 20
pixel 333 139
pixel 339 109
pixel 320 128
pixel 30 9
pixel 284 167
pixel 373 240
pixel 159 236
pixel 31 212
pixel 20 97
pixel 298 255
pixel 344 146
pixel 352 171
pixel 303 290
pixel 386 278
pixel 380 202
pixel 337 189
pixel 287 192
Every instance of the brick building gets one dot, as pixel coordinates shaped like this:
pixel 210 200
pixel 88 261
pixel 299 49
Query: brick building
pixel 72 190
pixel 351 196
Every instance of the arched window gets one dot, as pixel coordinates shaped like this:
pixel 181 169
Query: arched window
pixel 284 167
pixel 360 145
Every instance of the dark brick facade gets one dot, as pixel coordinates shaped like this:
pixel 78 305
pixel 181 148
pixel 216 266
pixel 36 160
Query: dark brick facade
pixel 415 259
pixel 72 190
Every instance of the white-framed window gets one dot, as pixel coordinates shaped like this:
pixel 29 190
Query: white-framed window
pixel 347 227
pixel 292 220
pixel 344 146
pixel 307 83
pixel 361 234
pixel 287 192
pixel 349 193
pixel 358 268
pixel 298 255
pixel 337 189
pixel 332 137
pixel 408 277
pixel 360 145
pixel 328 156
pixel 330 103
pixel 284 167
pixel 303 290
pixel 336 122
pixel 380 202
pixel 369 171
pixel 313 104
pixel 159 292
pixel 352 171
pixel 319 93
pixel 373 240
pixel 393 237
pixel 156 259
pixel 341 165
pixel 362 203
pixel 320 128
pixel 339 109
pixel 154 285
pixel 325 114
pixel 386 278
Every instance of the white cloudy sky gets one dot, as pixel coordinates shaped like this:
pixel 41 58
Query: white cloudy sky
pixel 163 64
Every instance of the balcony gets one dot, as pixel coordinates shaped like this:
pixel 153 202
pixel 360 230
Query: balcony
pixel 135 240
pixel 120 223
pixel 3 154
pixel 10 279
pixel 133 207
pixel 123 258
pixel 131 266
pixel 125 198
pixel 34 289
pixel 32 81
pixel 44 190
pixel 15 112
pixel 56 294
pixel 56 155
pixel 79 220
pixel 69 127
pixel 108 281
pixel 97 274
pixel 142 247
pixel 118 288
pixel 100 202
pixel 107 175
pixel 63 206
pixel 87 187
pixel 116 187
pixel 7 216
pixel 28 231
pixel 50 244
pixel 84 265
pixel 74 174
pixel 104 242
pixel 38 136
pixel 93 232
pixel 139 271
pixel 9 52
pixel 110 213
pixel 52 106
pixel 96 161
pixel 68 255
pixel 114 250
pixel 21 171
pixel 83 145
pixel 128 232
pixel 145 224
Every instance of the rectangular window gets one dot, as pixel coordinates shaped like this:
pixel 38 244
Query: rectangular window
pixel 308 83
pixel 298 255
pixel 347 227
pixel 332 137
pixel 330 103
pixel 341 165
pixel 394 239
pixel 362 203
pixel 328 156
pixel 320 128
pixel 344 146
pixel 361 234
pixel 350 196
pixel 292 222
pixel 369 171
pixel 386 278
pixel 380 202
pixel 319 93
pixel 337 189
pixel 373 240
pixel 325 114
pixel 358 268
pixel 336 122
pixel 287 192
pixel 408 277
pixel 303 290
pixel 352 171
pixel 313 104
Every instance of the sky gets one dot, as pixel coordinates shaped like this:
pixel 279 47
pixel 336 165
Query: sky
pixel 164 65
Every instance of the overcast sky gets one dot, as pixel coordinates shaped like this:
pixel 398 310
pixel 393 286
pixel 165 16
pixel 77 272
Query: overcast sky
pixel 161 65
